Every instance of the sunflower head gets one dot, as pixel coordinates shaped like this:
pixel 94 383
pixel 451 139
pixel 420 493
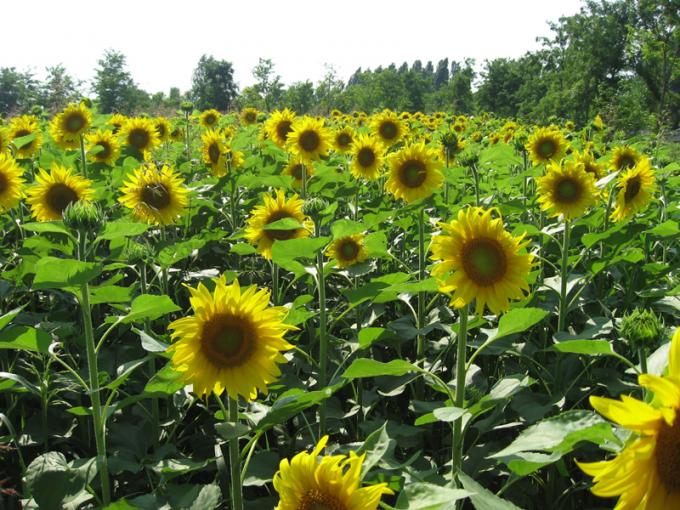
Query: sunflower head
pixel 367 157
pixel 295 169
pixel 140 134
pixel 546 144
pixel 54 191
pixel 348 251
pixel 343 139
pixel 155 196
pixel 309 139
pixel 233 341
pixel 26 125
pixel 566 189
pixel 214 145
pixel 481 261
pixel 332 482
pixel 271 210
pixel 163 128
pixel 5 140
pixel 624 158
pixel 414 173
pixel 388 127
pixel 635 189
pixel 249 116
pixel 177 134
pixel 11 183
pixel 279 125
pixel 210 118
pixel 102 147
pixel 67 127
pixel 590 164
pixel 117 121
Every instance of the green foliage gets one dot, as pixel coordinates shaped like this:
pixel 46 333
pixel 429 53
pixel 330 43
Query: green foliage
pixel 213 84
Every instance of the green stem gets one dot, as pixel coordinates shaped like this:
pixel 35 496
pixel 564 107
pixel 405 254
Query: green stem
pixel 420 340
pixel 564 273
pixel 643 360
pixel 82 156
pixel 275 283
pixel 457 453
pixel 155 407
pixel 323 341
pixel 235 460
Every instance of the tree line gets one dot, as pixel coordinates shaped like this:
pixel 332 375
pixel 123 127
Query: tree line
pixel 618 58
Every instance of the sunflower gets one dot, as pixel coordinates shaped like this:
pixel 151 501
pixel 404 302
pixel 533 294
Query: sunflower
pixel 624 158
pixel 163 128
pixel 494 138
pixel 451 145
pixel 248 116
pixel 308 139
pixel 140 134
pixel 589 163
pixel 213 149
pixel 275 209
pixel 566 189
pixel 367 157
pixel 54 191
pixel 414 172
pixel 644 474
pixel 233 341
pixel 210 118
pixel 117 120
pixel 343 138
pixel 636 186
pixel 155 196
pixel 388 127
pixel 24 126
pixel 108 148
pixel 480 260
pixel 348 251
pixel 11 183
pixel 294 168
pixel 546 144
pixel 476 136
pixel 5 140
pixel 279 125
pixel 332 482
pixel 67 127
pixel 177 134
pixel 598 123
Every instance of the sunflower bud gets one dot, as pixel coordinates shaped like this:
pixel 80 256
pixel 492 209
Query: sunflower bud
pixel 83 216
pixel 37 110
pixel 187 106
pixel 313 206
pixel 137 252
pixel 468 158
pixel 642 328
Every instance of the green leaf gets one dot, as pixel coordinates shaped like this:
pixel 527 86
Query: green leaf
pixel 118 229
pixel 149 343
pixel 23 141
pixel 23 382
pixel 25 338
pixel 368 336
pixel 589 347
pixel 149 307
pixel 303 248
pixel 518 320
pixel 291 403
pixel 243 249
pixel 428 496
pixel 110 294
pixel 167 381
pixel 9 316
pixel 371 368
pixel 345 228
pixel 283 224
pixel 668 228
pixel 229 431
pixel 375 447
pixel 55 484
pixel 448 414
pixel 55 273
pixel 483 499
pixel 53 227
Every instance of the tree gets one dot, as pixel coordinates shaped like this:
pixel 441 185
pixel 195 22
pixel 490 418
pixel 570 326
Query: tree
pixel 213 84
pixel 18 91
pixel 113 85
pixel 328 90
pixel 300 97
pixel 441 76
pixel 268 85
pixel 59 89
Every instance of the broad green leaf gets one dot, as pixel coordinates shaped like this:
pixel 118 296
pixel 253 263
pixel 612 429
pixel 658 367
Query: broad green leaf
pixel 518 320
pixel 448 414
pixel 55 484
pixel 9 316
pixel 53 227
pixel 590 347
pixel 483 499
pixel 166 381
pixel 291 403
pixel 229 431
pixel 22 381
pixel 23 141
pixel 25 338
pixel 371 368
pixel 118 229
pixel 368 336
pixel 344 228
pixel 375 446
pixel 283 224
pixel 149 307
pixel 110 294
pixel 668 228
pixel 428 496
pixel 243 249
pixel 55 273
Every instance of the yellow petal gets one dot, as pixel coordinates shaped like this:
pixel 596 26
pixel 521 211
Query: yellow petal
pixel 629 412
pixel 674 356
pixel 665 390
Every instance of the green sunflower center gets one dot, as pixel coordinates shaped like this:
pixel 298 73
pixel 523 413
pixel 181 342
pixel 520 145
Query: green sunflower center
pixel 214 153
pixel 413 173
pixel 139 138
pixel 667 454
pixel 210 119
pixel 343 140
pixel 280 235
pixel 282 129
pixel 366 157
pixel 310 140
pixel 156 196
pixel 632 189
pixel 59 196
pixel 388 130
pixel 74 123
pixel 567 191
pixel 349 250
pixel 227 340
pixel 547 148
pixel 484 261
pixel 314 499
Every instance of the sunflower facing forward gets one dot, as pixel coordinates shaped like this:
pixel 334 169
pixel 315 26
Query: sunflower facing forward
pixel 367 157
pixel 279 125
pixel 309 139
pixel 343 139
pixel 67 126
pixel 332 482
pixel 233 341
pixel 566 189
pixel 414 173
pixel 210 118
pixel 54 191
pixel 348 251
pixel 644 474
pixel 213 149
pixel 295 169
pixel 248 116
pixel 103 147
pixel 140 134
pixel 388 127
pixel 11 183
pixel 24 126
pixel 480 261
pixel 155 196
pixel 624 158
pixel 546 144
pixel 635 186
pixel 275 209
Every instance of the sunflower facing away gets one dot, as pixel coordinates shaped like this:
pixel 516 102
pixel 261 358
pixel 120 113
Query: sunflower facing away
pixel 210 118
pixel 155 196
pixel 102 147
pixel 388 127
pixel 635 186
pixel 348 251
pixel 279 125
pixel 624 158
pixel 11 183
pixel 414 173
pixel 343 139
pixel 367 157
pixel 248 116
pixel 24 126
pixel 480 260
pixel 546 144
pixel 294 168
pixel 54 191
pixel 233 341
pixel 331 482
pixel 67 126
pixel 644 474
pixel 308 139
pixel 274 209
pixel 566 189
pixel 141 134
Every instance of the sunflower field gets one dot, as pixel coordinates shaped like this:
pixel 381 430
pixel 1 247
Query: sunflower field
pixel 254 310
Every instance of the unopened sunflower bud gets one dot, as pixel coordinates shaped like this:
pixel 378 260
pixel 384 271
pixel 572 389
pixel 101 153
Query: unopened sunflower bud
pixel 83 217
pixel 642 328
pixel 468 158
pixel 137 252
pixel 187 106
pixel 313 206
pixel 37 110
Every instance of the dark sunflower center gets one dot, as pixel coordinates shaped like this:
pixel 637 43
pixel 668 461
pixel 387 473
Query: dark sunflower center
pixel 626 161
pixel 4 183
pixel 343 140
pixel 156 196
pixel 74 123
pixel 24 132
pixel 214 153
pixel 281 235
pixel 632 189
pixel 210 119
pixel 591 169
pixel 667 455
pixel 250 117
pixel 161 130
pixel 388 130
pixel 309 140
pixel 314 499
pixel 349 250
pixel 227 340
pixel 567 191
pixel 366 157
pixel 139 138
pixel 106 150
pixel 547 148
pixel 296 171
pixel 59 196
pixel 283 128
pixel 413 173
pixel 484 261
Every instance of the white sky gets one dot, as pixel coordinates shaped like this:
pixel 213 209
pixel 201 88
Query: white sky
pixel 163 40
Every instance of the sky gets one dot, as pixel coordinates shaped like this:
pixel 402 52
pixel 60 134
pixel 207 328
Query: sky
pixel 163 40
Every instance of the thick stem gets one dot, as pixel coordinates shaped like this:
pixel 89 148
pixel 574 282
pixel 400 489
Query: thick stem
pixel 155 407
pixel 643 360
pixel 420 340
pixel 275 283
pixel 457 453
pixel 235 460
pixel 323 341
pixel 83 162
pixel 564 273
